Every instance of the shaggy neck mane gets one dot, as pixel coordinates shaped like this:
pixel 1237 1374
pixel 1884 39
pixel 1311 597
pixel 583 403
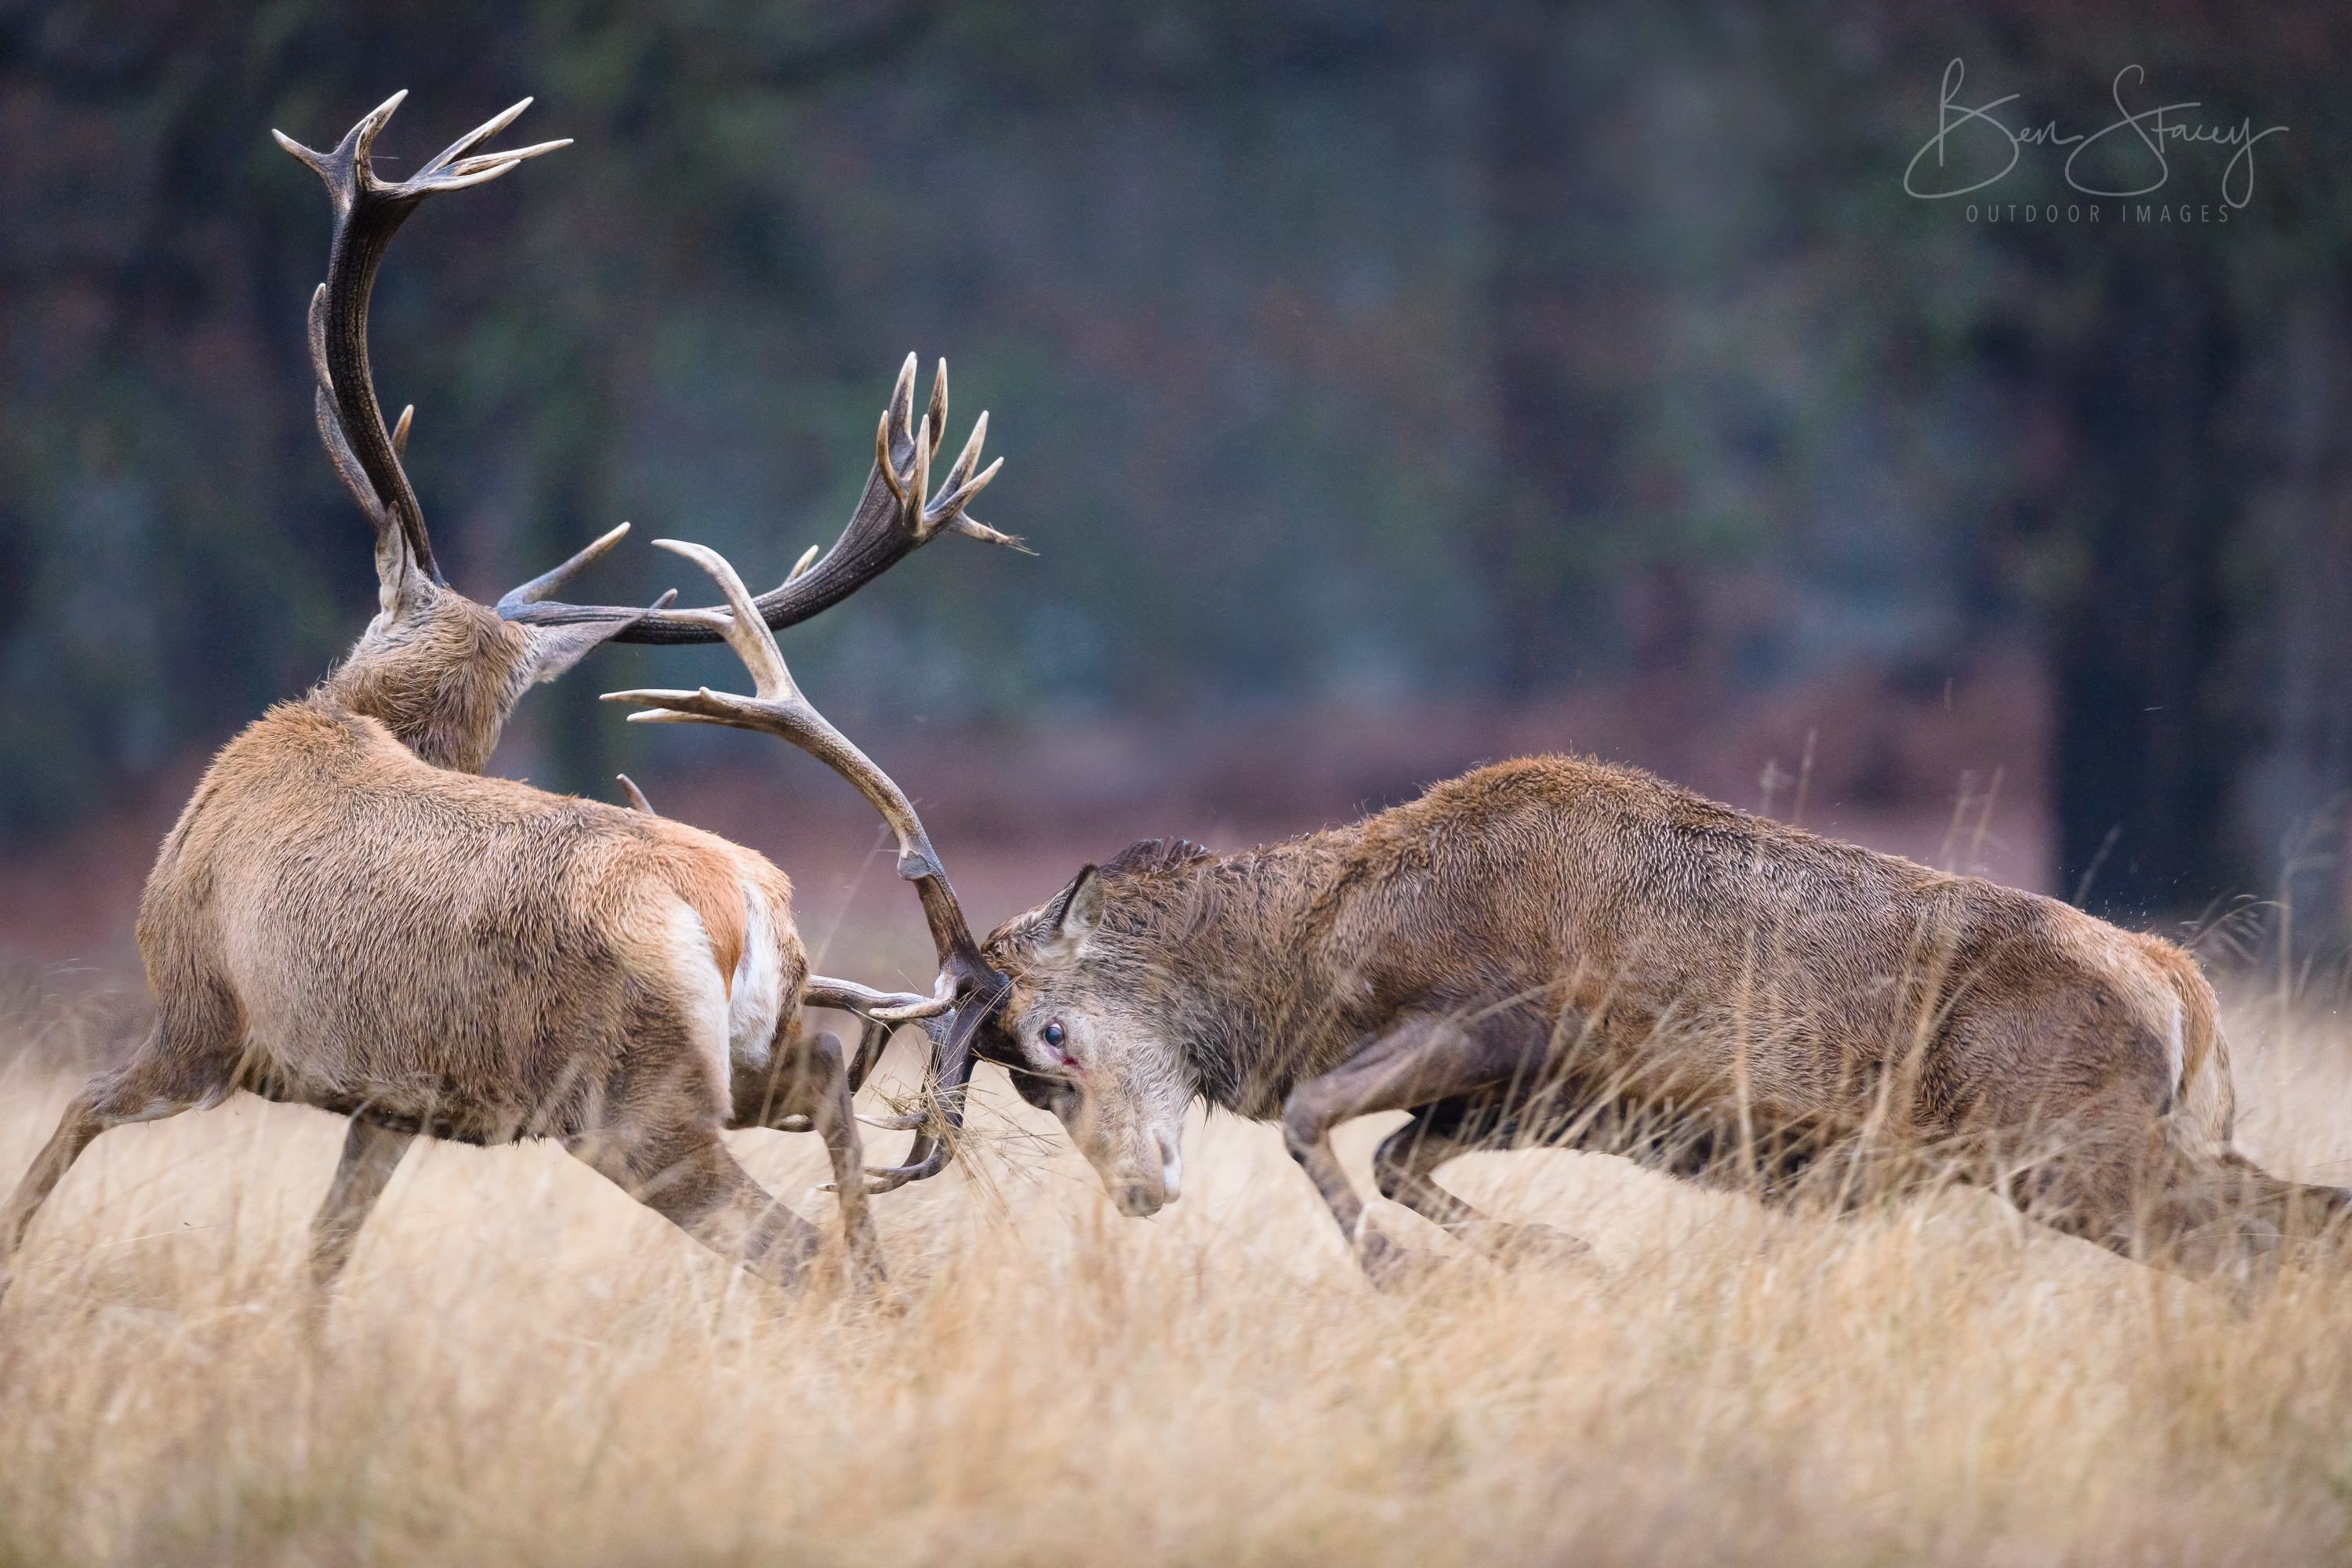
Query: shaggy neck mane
pixel 1184 930
pixel 442 677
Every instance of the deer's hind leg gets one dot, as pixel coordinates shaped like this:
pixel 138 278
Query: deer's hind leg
pixel 836 1115
pixel 1404 1167
pixel 186 1062
pixel 2119 1180
pixel 371 1154
pixel 686 1176
pixel 808 1077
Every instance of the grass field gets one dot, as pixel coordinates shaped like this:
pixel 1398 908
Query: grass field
pixel 525 1367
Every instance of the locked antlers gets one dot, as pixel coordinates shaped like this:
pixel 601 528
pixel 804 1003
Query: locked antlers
pixel 968 990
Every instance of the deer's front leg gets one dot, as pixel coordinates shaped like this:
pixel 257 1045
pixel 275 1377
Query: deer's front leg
pixel 1420 1058
pixel 371 1154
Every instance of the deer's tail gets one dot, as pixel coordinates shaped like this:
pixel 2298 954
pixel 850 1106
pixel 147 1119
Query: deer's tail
pixel 2203 1111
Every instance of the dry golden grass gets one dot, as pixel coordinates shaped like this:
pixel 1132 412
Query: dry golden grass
pixel 525 1367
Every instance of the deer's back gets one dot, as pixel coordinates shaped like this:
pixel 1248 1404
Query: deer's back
pixel 462 950
pixel 1671 928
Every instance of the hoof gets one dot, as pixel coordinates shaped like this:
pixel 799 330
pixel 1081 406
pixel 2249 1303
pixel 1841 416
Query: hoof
pixel 2252 1267
pixel 1544 1247
pixel 1389 1267
pixel 871 1287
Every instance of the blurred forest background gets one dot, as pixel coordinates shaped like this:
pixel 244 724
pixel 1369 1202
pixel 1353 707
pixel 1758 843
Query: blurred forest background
pixel 1370 375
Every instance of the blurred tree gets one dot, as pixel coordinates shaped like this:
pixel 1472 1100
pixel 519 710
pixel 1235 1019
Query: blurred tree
pixel 1558 324
pixel 2188 537
pixel 2150 721
pixel 1338 350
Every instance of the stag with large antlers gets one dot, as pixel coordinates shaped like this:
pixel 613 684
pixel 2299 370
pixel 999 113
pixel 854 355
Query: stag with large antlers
pixel 347 916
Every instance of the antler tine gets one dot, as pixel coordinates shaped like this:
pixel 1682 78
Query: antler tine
pixel 548 582
pixel 895 517
pixel 879 1006
pixel 884 464
pixel 481 133
pixel 446 171
pixel 894 431
pixel 947 511
pixel 779 709
pixel 368 212
pixel 972 528
pixel 356 141
pixel 902 405
pixel 746 632
pixel 880 1014
pixel 961 470
pixel 952 1060
pixel 925 445
pixel 330 430
pixel 936 418
pixel 872 1037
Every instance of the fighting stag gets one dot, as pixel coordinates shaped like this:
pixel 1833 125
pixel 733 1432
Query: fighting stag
pixel 347 916
pixel 1559 952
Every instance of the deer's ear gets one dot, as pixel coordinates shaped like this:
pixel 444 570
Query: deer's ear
pixel 401 590
pixel 1071 917
pixel 554 649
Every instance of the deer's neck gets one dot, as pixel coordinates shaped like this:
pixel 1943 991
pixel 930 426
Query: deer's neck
pixel 442 677
pixel 1239 955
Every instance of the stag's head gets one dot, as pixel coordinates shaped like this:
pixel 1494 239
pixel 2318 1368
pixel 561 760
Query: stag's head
pixel 441 671
pixel 1085 1029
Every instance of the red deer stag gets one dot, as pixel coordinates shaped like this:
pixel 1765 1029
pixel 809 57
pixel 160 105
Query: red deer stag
pixel 346 916
pixel 1560 951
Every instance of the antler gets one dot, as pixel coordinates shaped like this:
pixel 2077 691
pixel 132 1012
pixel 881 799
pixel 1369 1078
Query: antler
pixel 896 516
pixel 968 990
pixel 368 212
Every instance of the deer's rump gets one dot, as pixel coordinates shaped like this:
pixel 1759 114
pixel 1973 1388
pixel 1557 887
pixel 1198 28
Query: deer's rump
pixel 504 961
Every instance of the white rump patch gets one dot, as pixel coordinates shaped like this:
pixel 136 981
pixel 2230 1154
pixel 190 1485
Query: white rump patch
pixel 2173 1047
pixel 758 998
pixel 2208 1103
pixel 701 993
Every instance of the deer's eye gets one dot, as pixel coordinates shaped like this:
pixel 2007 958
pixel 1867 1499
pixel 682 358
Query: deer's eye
pixel 1054 1035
